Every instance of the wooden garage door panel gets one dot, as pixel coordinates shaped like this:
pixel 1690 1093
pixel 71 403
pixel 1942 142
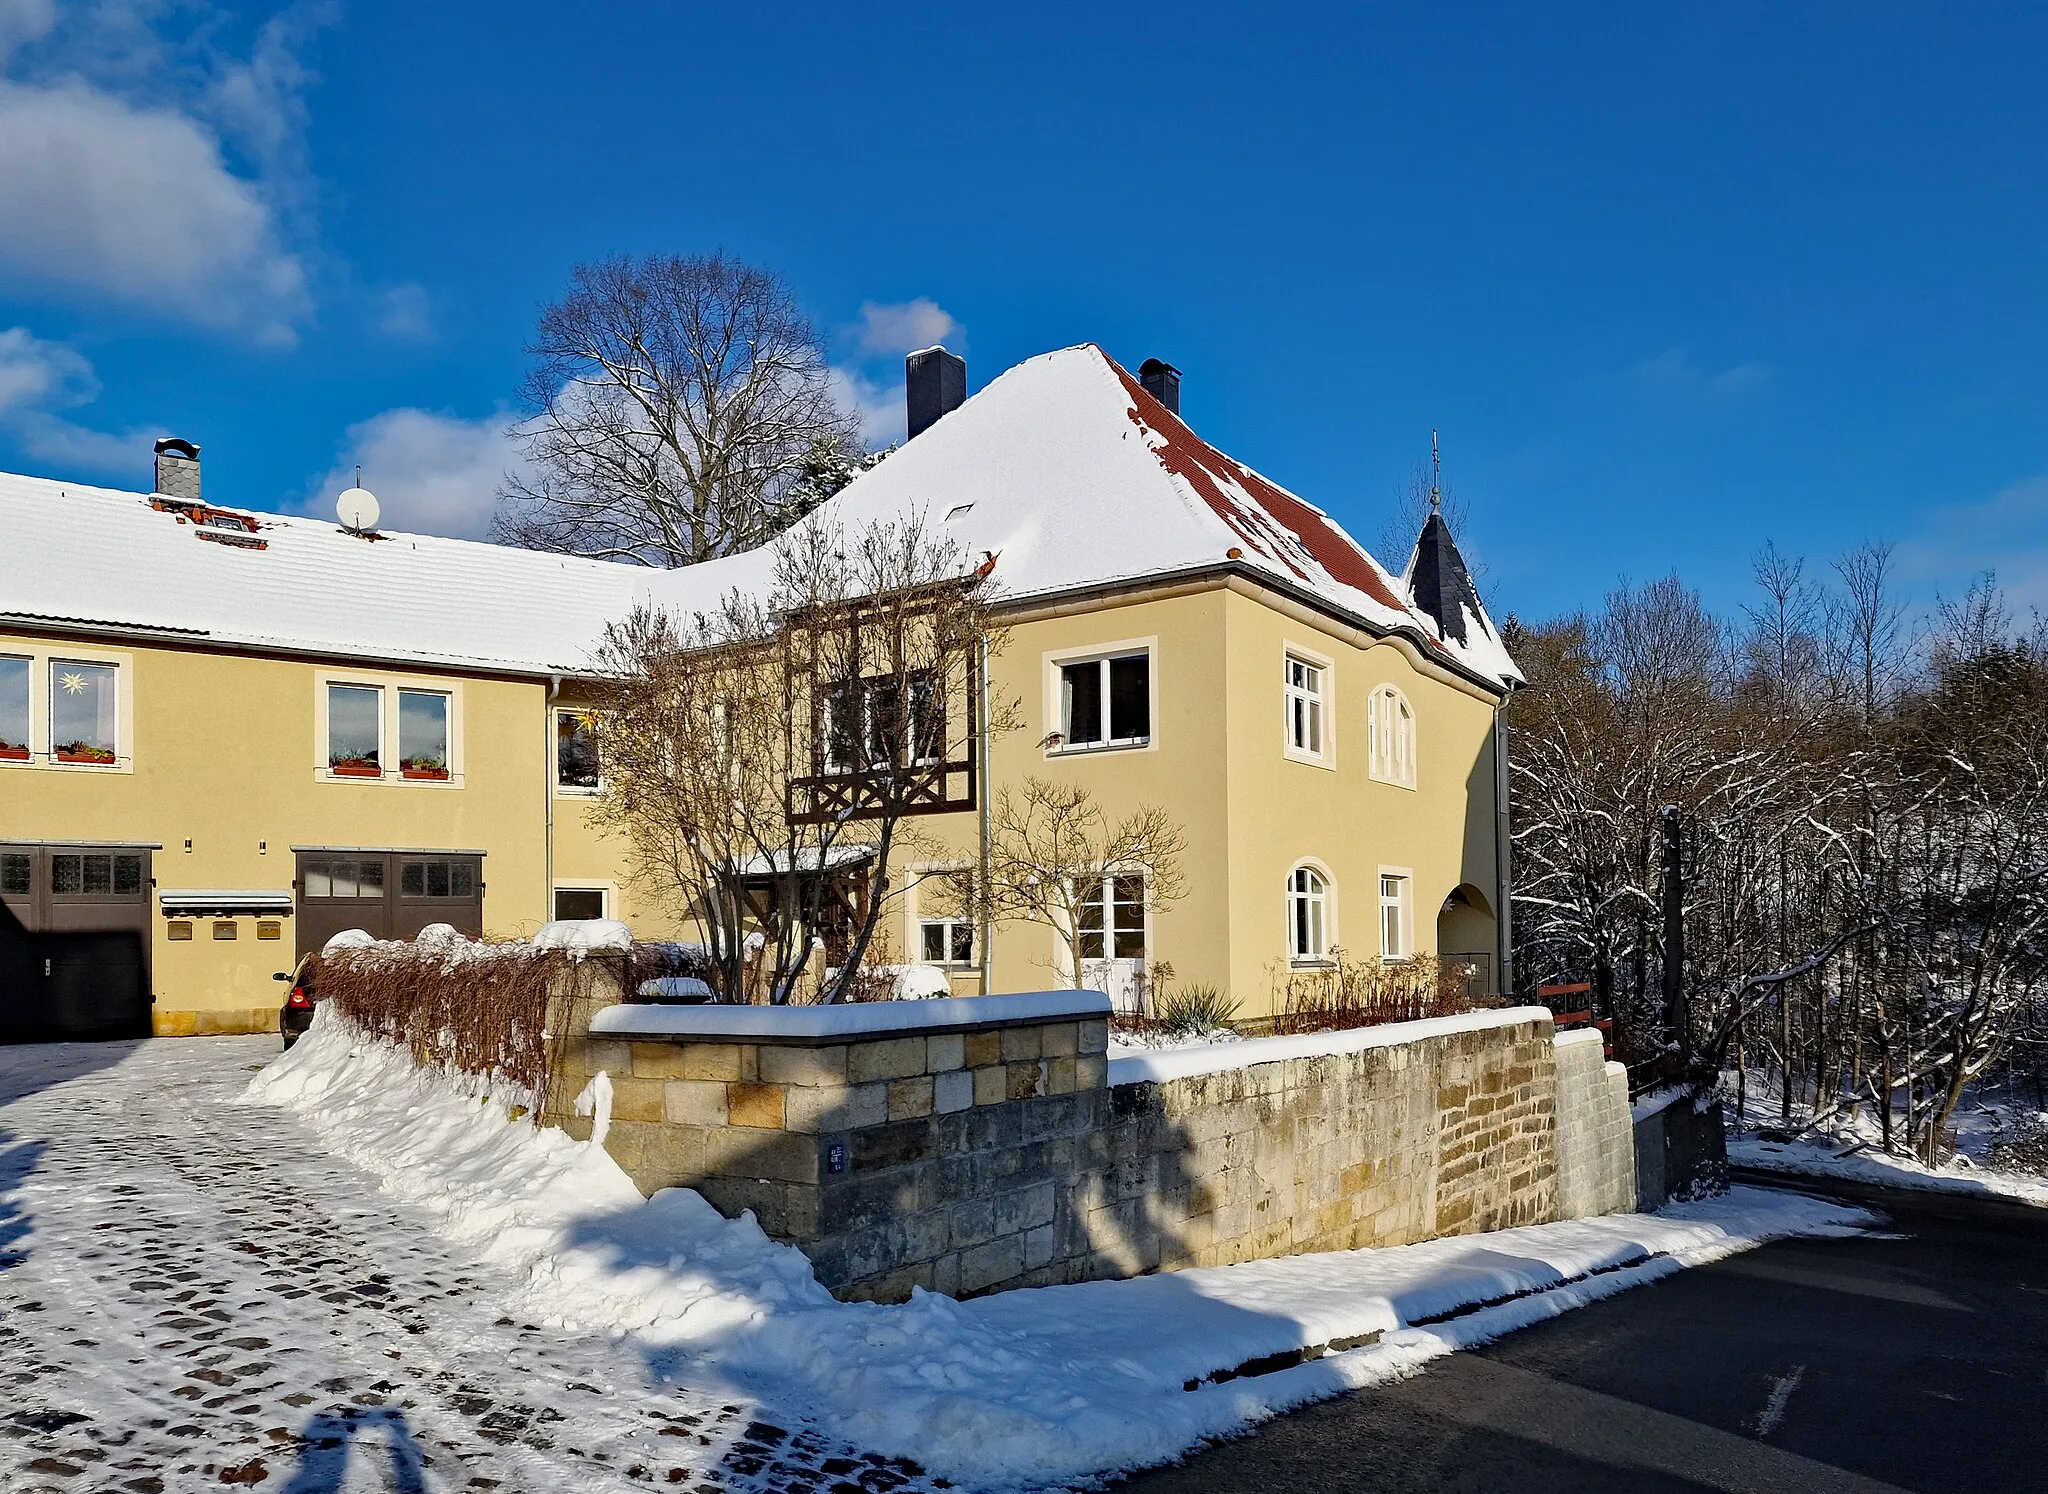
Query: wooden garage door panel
pixel 386 894
pixel 74 942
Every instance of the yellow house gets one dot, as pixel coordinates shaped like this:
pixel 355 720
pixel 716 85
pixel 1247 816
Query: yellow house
pixel 224 736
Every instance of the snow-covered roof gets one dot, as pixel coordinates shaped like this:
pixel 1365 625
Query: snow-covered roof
pixel 1076 478
pixel 99 558
pixel 1063 467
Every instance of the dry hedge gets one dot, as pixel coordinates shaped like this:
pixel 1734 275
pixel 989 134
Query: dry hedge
pixel 480 1008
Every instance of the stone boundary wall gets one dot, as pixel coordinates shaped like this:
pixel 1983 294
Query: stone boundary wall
pixel 975 1144
pixel 1596 1162
pixel 942 1156
pixel 1448 1133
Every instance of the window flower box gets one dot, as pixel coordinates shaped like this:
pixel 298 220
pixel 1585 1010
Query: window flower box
pixel 83 752
pixel 355 767
pixel 13 752
pixel 429 768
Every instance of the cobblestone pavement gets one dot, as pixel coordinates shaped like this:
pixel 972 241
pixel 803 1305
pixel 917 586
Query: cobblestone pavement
pixel 194 1295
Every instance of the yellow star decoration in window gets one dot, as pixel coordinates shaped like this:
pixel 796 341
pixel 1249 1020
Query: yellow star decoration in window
pixel 74 684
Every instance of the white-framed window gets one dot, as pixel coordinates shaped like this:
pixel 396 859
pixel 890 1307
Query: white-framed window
pixel 1390 737
pixel 1104 701
pixel 589 900
pixel 85 712
pixel 576 757
pixel 1308 916
pixel 393 730
pixel 1112 917
pixel 423 734
pixel 355 731
pixel 17 692
pixel 1305 684
pixel 946 941
pixel 1396 922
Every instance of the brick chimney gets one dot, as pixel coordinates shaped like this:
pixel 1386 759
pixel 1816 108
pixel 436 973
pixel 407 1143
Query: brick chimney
pixel 934 384
pixel 177 469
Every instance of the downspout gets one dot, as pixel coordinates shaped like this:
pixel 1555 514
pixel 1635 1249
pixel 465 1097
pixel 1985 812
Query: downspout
pixel 1503 848
pixel 983 933
pixel 547 783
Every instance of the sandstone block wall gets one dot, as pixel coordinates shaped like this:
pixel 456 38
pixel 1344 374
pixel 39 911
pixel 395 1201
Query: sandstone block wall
pixel 1450 1134
pixel 943 1159
pixel 1596 1160
pixel 968 1160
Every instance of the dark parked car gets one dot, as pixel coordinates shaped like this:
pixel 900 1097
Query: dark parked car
pixel 297 1014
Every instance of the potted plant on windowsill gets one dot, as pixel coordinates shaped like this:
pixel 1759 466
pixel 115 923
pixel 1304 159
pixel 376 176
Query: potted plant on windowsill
pixel 355 767
pixel 83 752
pixel 424 766
pixel 13 752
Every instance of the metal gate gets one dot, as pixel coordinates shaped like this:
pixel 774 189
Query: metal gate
pixel 387 894
pixel 74 941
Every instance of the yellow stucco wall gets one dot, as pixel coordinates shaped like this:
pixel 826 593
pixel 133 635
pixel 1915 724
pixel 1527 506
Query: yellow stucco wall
pixel 221 768
pixel 223 750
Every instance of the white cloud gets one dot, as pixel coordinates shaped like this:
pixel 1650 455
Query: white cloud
pixel 2006 534
pixel 152 172
pixel 35 373
pixel 403 313
pixel 883 421
pixel 23 21
pixel 887 329
pixel 1676 370
pixel 38 378
pixel 432 473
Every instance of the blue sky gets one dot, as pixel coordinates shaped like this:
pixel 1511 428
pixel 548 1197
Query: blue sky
pixel 1669 284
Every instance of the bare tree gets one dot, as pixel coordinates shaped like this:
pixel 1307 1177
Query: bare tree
pixel 769 761
pixel 679 409
pixel 1054 855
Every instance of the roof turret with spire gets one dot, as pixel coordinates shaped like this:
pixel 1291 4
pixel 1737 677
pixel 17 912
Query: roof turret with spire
pixel 1441 587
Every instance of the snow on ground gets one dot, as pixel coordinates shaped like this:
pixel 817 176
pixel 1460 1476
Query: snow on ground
pixel 1016 1390
pixel 191 1287
pixel 1862 1163
pixel 1851 1146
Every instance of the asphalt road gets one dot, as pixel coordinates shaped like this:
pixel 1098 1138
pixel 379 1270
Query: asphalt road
pixel 1917 1359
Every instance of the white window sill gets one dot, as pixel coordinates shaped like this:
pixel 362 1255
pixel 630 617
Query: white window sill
pixel 1093 749
pixel 1398 783
pixel 564 791
pixel 1309 759
pixel 452 781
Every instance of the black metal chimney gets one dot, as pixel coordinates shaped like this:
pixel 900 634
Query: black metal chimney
pixel 1162 381
pixel 934 384
pixel 177 469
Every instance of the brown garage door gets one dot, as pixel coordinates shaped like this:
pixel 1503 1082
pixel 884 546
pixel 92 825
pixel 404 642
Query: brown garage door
pixel 74 941
pixel 387 894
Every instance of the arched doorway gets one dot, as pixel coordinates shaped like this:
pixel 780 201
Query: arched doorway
pixel 1467 939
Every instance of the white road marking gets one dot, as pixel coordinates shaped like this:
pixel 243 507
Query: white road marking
pixel 1773 1412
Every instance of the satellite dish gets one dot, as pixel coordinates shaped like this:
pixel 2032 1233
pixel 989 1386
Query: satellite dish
pixel 358 510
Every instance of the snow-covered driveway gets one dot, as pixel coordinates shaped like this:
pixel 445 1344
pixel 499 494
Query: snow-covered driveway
pixel 195 1294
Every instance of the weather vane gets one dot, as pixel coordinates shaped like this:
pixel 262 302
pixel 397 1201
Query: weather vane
pixel 1436 472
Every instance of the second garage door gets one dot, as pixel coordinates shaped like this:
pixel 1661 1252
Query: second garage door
pixel 387 894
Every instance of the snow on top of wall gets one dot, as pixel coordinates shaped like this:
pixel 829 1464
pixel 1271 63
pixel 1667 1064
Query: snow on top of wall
pixel 1165 1065
pixel 1578 1037
pixel 846 1020
pixel 582 936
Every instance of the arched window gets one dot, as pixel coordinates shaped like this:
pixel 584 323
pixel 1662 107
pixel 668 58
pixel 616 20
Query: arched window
pixel 1308 916
pixel 1390 737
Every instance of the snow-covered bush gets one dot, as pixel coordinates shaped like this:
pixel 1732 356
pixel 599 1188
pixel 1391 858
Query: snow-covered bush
pixel 457 1003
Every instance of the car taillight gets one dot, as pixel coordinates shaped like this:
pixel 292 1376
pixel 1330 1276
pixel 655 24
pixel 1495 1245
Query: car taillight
pixel 298 997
